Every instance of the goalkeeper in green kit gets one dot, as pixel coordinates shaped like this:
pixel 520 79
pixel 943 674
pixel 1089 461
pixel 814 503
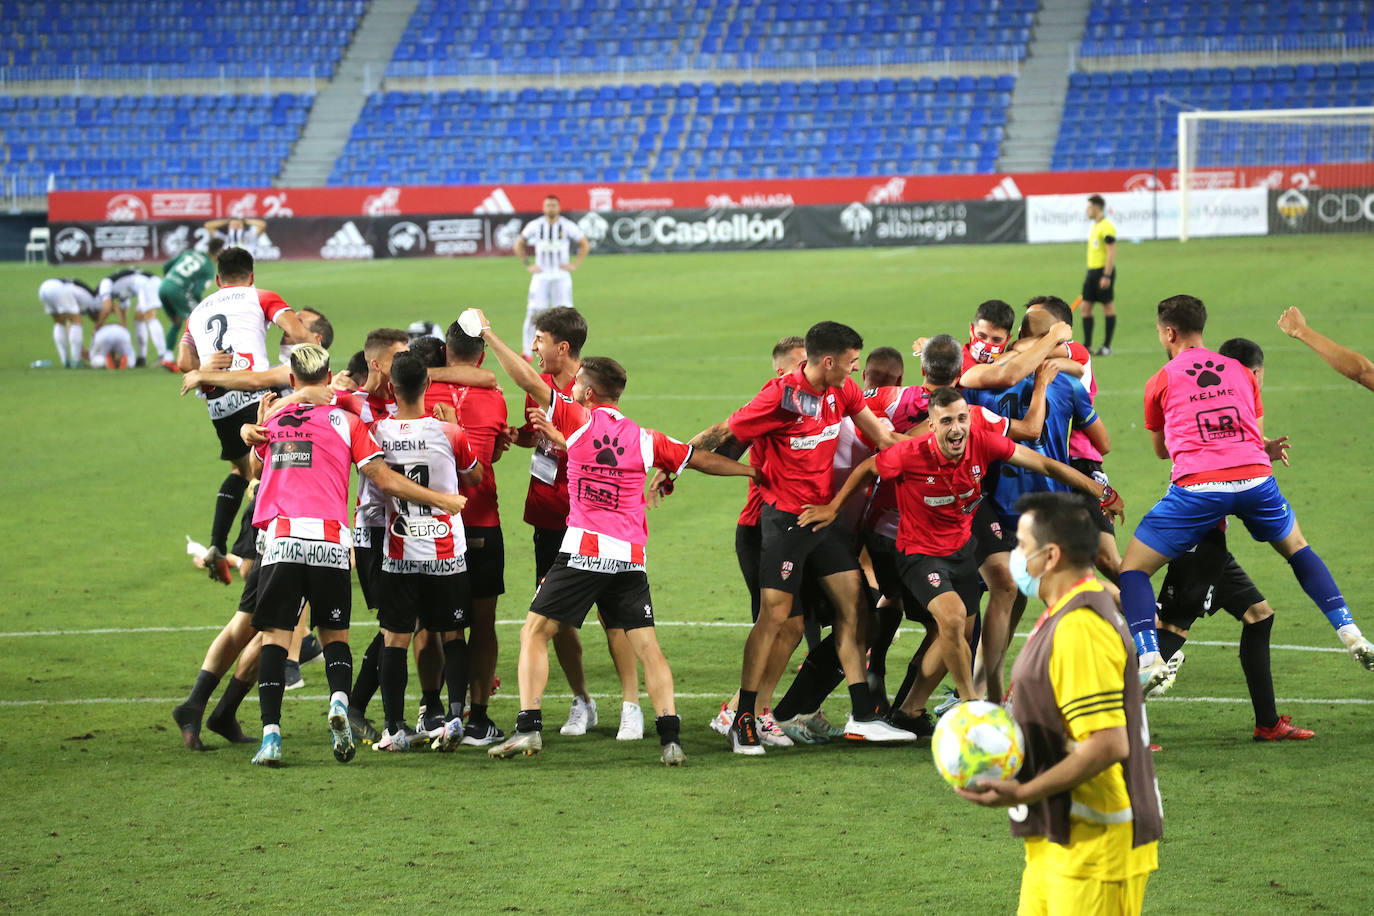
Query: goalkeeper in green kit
pixel 183 280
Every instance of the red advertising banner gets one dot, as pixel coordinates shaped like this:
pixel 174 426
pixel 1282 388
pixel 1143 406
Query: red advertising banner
pixel 280 203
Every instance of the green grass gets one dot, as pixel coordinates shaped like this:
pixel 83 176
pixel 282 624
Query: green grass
pixel 106 473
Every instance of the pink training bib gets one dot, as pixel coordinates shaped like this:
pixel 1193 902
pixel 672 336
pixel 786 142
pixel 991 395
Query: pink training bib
pixel 1210 417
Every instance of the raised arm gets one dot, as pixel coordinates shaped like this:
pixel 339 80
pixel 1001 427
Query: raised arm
pixel 1354 366
pixel 291 326
pixel 520 372
pixel 1015 366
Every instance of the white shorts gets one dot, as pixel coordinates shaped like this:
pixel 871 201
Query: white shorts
pixel 551 289
pixel 57 299
pixel 148 299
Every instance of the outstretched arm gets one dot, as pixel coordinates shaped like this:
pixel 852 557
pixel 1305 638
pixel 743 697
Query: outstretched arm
pixel 1354 366
pixel 859 479
pixel 720 466
pixel 520 372
pixel 275 377
pixel 467 376
pixel 875 431
pixel 1111 501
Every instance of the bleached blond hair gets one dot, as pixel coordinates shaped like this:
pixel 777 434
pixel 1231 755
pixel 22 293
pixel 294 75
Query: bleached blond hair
pixel 309 363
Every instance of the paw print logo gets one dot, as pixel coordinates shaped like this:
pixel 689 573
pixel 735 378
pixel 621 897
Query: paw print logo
pixel 608 450
pixel 1207 374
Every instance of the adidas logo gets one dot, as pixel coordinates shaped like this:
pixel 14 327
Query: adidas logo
pixel 496 202
pixel 1006 190
pixel 347 244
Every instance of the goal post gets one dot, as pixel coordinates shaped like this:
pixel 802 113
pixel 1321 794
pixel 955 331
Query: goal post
pixel 1283 149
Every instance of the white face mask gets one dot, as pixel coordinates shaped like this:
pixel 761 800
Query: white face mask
pixel 1028 584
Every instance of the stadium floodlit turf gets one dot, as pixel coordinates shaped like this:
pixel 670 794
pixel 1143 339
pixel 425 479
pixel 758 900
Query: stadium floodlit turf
pixel 104 623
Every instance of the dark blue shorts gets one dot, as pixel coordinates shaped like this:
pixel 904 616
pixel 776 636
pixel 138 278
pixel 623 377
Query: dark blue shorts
pixel 1183 516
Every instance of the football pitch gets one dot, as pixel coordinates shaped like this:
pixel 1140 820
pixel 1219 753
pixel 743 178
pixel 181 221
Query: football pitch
pixel 104 623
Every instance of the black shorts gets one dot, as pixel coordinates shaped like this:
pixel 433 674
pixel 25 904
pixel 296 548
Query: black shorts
pixel 440 604
pixel 369 563
pixel 231 444
pixel 989 534
pixel 246 547
pixel 884 555
pixel 926 578
pixel 567 595
pixel 748 550
pixel 1093 292
pixel 284 588
pixel 1089 468
pixel 788 550
pixel 486 561
pixel 1204 579
pixel 547 543
pixel 248 598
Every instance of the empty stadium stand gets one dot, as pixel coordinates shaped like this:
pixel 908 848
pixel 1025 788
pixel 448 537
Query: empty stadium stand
pixel 1180 26
pixel 680 131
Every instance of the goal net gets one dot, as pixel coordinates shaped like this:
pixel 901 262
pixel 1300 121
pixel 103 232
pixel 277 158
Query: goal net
pixel 1316 165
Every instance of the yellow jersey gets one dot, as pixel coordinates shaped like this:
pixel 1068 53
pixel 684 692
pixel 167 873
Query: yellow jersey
pixel 1086 671
pixel 1102 232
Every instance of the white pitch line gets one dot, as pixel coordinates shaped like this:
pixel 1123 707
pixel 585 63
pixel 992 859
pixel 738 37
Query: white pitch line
pixel 511 697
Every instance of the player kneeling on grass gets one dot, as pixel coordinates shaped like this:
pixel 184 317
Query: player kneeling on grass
pixel 424 569
pixel 1086 800
pixel 303 453
pixel 601 560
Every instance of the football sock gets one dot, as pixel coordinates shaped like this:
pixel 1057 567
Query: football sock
pixel 1138 604
pixel 669 730
pixel 227 503
pixel 812 631
pixel 747 699
pixel 59 339
pixel 271 683
pixel 820 674
pixel 456 675
pixel 140 338
pixel 228 705
pixel 365 687
pixel 975 639
pixel 530 720
pixel 338 667
pixel 204 686
pixel 74 342
pixel 1254 661
pixel 527 331
pixel 393 678
pixel 478 713
pixel 862 701
pixel 913 671
pixel 173 336
pixel 889 619
pixel 1109 328
pixel 1087 332
pixel 1169 643
pixel 431 700
pixel 153 329
pixel 1316 580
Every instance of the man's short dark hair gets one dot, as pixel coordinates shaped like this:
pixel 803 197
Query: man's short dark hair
pixel 564 325
pixel 553 197
pixel 235 264
pixel 888 361
pixel 408 376
pixel 945 396
pixel 830 338
pixel 1097 200
pixel 1063 519
pixel 429 351
pixel 215 247
pixel 1055 306
pixel 1186 314
pixel 996 313
pixel 605 376
pixel 383 338
pixel 357 367
pixel 1244 351
pixel 785 346
pixel 942 360
pixel 461 345
pixel 321 326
